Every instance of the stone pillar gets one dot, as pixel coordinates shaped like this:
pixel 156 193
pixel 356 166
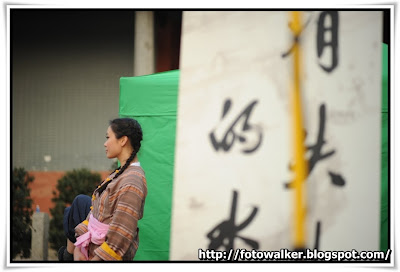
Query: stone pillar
pixel 144 59
pixel 40 236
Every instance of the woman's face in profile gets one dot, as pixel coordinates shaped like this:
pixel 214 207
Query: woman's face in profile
pixel 113 148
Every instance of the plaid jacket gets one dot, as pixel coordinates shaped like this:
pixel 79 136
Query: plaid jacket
pixel 121 206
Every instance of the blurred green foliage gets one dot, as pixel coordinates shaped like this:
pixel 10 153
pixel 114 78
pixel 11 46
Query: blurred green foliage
pixel 21 205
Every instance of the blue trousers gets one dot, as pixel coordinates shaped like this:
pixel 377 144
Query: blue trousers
pixel 75 214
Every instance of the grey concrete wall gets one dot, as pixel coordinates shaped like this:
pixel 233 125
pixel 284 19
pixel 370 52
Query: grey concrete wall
pixel 65 72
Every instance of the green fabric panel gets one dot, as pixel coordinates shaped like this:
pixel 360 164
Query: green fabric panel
pixel 152 100
pixel 154 95
pixel 384 244
pixel 384 239
pixel 385 68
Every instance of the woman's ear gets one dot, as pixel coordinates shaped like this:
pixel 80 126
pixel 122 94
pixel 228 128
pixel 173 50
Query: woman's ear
pixel 123 140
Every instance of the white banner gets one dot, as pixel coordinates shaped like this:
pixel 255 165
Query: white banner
pixel 234 133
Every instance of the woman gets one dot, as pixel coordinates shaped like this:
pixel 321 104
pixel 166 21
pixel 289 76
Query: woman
pixel 110 230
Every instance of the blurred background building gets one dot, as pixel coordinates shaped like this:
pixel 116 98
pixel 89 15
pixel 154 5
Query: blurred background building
pixel 65 71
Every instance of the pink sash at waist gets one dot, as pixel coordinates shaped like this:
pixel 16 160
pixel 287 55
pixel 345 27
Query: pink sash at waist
pixel 96 234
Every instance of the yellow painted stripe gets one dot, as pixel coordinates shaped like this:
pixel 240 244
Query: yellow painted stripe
pixel 301 164
pixel 111 252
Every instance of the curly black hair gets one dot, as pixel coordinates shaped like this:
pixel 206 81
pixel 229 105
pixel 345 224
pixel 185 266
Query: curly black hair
pixel 125 127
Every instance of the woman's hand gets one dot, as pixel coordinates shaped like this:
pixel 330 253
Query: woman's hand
pixel 78 255
pixel 96 258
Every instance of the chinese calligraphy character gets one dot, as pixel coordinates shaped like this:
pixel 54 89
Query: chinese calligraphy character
pixel 296 38
pixel 317 235
pixel 241 123
pixel 225 233
pixel 323 27
pixel 317 155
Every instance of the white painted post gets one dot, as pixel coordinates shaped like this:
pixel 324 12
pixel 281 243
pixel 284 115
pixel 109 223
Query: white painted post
pixel 40 236
pixel 144 44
